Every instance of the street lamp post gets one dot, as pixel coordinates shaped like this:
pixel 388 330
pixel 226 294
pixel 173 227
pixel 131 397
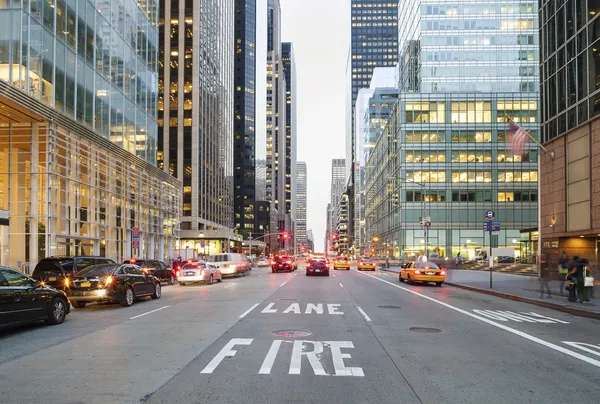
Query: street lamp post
pixel 425 225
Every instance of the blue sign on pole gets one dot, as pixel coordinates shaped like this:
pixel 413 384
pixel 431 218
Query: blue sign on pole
pixel 490 215
pixel 495 226
pixel 486 226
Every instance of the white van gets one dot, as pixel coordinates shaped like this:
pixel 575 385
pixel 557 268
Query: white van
pixel 231 264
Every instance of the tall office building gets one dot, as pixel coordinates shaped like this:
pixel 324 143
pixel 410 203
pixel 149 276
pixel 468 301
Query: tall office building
pixel 301 182
pixel 289 69
pixel 570 97
pixel 244 144
pixel 444 149
pixel 338 187
pixel 261 179
pixel 374 43
pixel 195 144
pixel 328 245
pixel 78 134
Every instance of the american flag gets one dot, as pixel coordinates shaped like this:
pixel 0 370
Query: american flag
pixel 518 137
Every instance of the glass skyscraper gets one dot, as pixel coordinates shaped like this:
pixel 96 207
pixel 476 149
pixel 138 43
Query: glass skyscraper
pixel 464 68
pixel 244 145
pixel 78 91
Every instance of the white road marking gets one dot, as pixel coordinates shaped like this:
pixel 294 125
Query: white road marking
pixel 267 365
pixel 341 284
pixel 503 315
pixel 495 324
pixel 332 308
pixel 312 356
pixel 338 359
pixel 283 284
pixel 226 351
pixel 295 274
pixel 585 347
pixel 269 309
pixel 229 286
pixel 150 312
pixel 333 275
pixel 248 311
pixel 363 314
pixel 294 308
pixel 318 308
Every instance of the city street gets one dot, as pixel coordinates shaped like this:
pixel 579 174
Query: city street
pixel 352 337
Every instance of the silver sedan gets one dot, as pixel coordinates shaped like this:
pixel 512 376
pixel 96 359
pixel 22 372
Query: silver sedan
pixel 200 271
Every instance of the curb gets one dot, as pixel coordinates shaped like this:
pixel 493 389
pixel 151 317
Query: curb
pixel 565 309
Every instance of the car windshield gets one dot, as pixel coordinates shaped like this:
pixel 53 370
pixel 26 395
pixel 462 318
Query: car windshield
pixel 54 265
pixel 98 270
pixel 195 265
pixel 429 265
pixel 284 258
pixel 219 258
pixel 342 259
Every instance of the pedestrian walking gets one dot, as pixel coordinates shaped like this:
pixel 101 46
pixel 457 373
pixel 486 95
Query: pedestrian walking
pixel 579 273
pixel 563 270
pixel 544 286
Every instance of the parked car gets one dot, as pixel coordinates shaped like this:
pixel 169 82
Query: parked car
pixel 200 271
pixel 317 267
pixel 230 264
pixel 283 263
pixel 112 283
pixel 422 272
pixel 157 268
pixel 58 271
pixel 26 300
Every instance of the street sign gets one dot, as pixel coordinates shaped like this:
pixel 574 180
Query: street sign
pixel 135 243
pixel 487 226
pixel 135 232
pixel 495 228
pixel 428 224
pixel 135 237
pixel 490 215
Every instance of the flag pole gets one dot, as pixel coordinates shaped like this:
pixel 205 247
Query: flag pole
pixel 541 146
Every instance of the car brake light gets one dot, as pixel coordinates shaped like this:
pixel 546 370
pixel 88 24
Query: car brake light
pixel 108 280
pixel 289 262
pixel 443 273
pixel 132 261
pixel 307 265
pixel 67 282
pixel 177 273
pixel 272 262
pixel 417 272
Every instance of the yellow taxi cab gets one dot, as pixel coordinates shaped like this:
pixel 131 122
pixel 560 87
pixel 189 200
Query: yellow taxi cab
pixel 341 263
pixel 422 272
pixel 366 263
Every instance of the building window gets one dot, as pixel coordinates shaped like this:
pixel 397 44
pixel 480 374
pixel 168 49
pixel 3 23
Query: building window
pixel 471 156
pixel 517 176
pixel 424 137
pixel 425 176
pixel 471 112
pixel 425 112
pixel 426 156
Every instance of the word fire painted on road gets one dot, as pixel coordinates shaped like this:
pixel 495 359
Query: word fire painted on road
pixel 295 308
pixel 313 351
pixel 531 317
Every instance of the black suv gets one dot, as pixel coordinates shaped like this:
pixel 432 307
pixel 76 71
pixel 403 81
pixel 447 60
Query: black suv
pixel 157 268
pixel 58 271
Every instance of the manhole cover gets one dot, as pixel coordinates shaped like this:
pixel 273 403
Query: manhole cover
pixel 288 299
pixel 291 333
pixel 389 307
pixel 425 330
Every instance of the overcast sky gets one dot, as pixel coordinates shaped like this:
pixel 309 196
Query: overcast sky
pixel 320 32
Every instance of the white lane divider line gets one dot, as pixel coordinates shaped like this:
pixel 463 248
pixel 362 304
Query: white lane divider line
pixel 363 313
pixel 522 334
pixel 150 312
pixel 295 274
pixel 244 314
pixel 229 286
pixel 283 284
pixel 333 275
pixel 341 284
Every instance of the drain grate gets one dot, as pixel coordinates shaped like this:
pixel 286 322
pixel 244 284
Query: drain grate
pixel 291 333
pixel 389 307
pixel 425 330
pixel 295 300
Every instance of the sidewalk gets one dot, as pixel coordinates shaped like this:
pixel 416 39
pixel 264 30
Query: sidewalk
pixel 520 288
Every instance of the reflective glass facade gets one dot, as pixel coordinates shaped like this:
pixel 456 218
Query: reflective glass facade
pixel 94 61
pixel 465 66
pixel 244 181
pixel 300 232
pixel 450 152
pixel 569 64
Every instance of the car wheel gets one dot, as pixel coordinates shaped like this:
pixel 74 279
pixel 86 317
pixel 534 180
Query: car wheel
pixel 210 280
pixel 181 284
pixel 157 291
pixel 327 273
pixel 78 305
pixel 129 298
pixel 400 278
pixel 307 273
pixel 220 279
pixel 438 283
pixel 172 280
pixel 409 281
pixel 58 311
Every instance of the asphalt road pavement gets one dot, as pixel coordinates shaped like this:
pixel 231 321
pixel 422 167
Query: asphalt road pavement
pixel 352 337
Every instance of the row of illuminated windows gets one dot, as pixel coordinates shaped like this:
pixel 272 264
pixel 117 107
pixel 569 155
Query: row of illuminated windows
pixel 472 196
pixel 460 40
pixel 488 55
pixel 461 156
pixel 471 176
pixel 477 24
pixel 485 9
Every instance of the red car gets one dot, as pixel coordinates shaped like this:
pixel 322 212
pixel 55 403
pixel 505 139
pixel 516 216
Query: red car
pixel 283 263
pixel 317 267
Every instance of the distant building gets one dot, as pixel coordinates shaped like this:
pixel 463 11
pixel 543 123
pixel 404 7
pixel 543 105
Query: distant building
pixel 301 182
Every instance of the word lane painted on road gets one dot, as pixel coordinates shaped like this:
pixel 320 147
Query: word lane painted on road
pixel 531 317
pixel 310 308
pixel 312 351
